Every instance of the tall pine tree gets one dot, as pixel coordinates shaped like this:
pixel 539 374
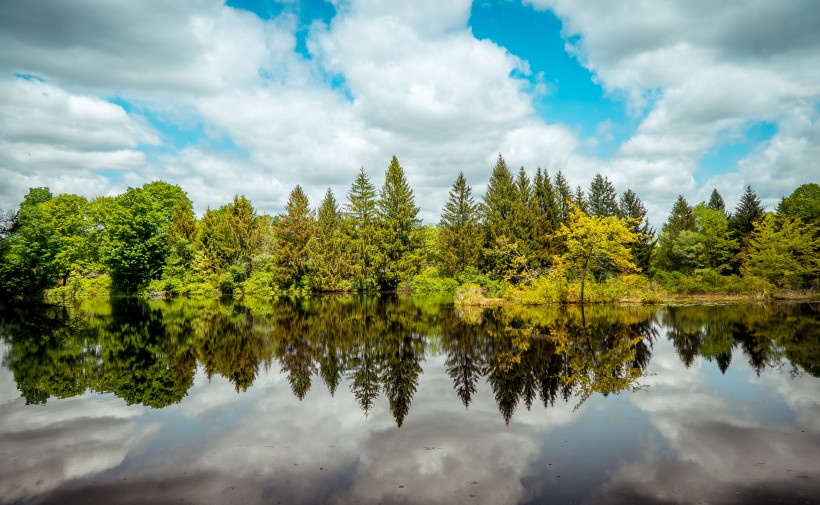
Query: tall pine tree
pixel 547 218
pixel 748 212
pixel 399 225
pixel 603 199
pixel 632 209
pixel 459 238
pixel 329 261
pixel 362 218
pixel 681 220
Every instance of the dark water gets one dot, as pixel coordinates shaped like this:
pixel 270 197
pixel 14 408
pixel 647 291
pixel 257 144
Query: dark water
pixel 384 400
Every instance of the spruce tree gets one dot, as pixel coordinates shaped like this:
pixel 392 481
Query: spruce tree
pixel 716 201
pixel 632 209
pixel 748 211
pixel 603 199
pixel 361 214
pixel 523 214
pixel 459 238
pixel 564 197
pixel 329 262
pixel 398 229
pixel 547 218
pixel 293 233
pixel 497 208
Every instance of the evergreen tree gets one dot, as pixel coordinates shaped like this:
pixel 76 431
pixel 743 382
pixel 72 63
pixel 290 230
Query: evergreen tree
pixel 293 233
pixel 497 208
pixel 715 243
pixel 631 208
pixel 748 211
pixel 329 260
pixel 523 214
pixel 716 201
pixel 603 199
pixel 399 237
pixel 564 197
pixel 459 239
pixel 580 200
pixel 681 219
pixel 547 218
pixel 361 214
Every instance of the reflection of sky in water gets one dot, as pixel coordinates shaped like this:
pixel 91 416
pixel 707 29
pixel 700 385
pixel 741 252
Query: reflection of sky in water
pixel 693 436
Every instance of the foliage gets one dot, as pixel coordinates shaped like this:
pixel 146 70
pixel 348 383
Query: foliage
pixel 749 210
pixel 668 254
pixel 784 251
pixel 362 221
pixel 803 203
pixel 293 233
pixel 459 238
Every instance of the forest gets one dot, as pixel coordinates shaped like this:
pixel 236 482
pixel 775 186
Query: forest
pixel 528 240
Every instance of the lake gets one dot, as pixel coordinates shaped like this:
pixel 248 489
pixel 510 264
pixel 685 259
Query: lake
pixel 395 400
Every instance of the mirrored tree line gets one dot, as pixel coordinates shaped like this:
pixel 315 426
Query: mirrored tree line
pixel 148 352
pixel 149 240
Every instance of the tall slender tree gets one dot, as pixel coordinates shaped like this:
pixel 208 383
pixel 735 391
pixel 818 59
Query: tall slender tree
pixel 328 257
pixel 632 209
pixel 399 237
pixel 497 208
pixel 749 210
pixel 459 238
pixel 362 220
pixel 547 218
pixel 681 219
pixel 564 196
pixel 716 201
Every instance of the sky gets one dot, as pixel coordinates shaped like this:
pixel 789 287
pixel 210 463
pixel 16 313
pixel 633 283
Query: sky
pixel 254 97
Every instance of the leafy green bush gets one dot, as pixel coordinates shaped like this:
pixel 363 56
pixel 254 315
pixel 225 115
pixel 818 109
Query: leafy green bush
pixel 429 282
pixel 98 286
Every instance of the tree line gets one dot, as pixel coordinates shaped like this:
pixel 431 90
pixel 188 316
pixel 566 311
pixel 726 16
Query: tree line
pixel 524 232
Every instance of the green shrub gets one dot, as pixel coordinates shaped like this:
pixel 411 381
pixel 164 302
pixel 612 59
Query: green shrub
pixel 429 282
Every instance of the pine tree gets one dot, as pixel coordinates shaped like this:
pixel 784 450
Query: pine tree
pixel 523 214
pixel 361 214
pixel 632 209
pixel 459 238
pixel 547 218
pixel 580 200
pixel 293 233
pixel 603 199
pixel 716 201
pixel 748 211
pixel 328 256
pixel 564 197
pixel 399 225
pixel 497 208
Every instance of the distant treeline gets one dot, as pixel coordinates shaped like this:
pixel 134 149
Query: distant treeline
pixel 533 239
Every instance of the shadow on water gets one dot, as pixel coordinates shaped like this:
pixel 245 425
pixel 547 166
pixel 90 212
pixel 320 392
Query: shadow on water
pixel 148 352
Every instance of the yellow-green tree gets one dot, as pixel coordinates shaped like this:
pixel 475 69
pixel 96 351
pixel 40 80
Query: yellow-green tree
pixel 594 242
pixel 785 251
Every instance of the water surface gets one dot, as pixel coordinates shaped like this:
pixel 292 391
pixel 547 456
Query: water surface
pixel 390 400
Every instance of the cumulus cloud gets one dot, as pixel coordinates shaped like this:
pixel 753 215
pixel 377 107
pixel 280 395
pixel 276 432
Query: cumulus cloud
pixel 692 71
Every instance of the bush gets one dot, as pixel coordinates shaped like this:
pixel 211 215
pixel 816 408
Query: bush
pixel 260 284
pixel 98 286
pixel 429 282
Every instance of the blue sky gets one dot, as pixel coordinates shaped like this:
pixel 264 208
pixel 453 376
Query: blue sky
pixel 254 97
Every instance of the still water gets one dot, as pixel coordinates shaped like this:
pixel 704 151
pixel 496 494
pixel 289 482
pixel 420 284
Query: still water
pixel 392 400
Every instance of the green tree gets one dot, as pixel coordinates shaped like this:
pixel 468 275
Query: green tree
pixel 28 265
pixel 69 213
pixel 681 218
pixel 803 203
pixel 749 210
pixel 497 211
pixel 523 214
pixel 135 241
pixel 717 246
pixel 785 251
pixel 716 201
pixel 594 242
pixel 603 199
pixel 361 213
pixel 459 236
pixel 181 240
pixel 231 236
pixel 292 234
pixel 547 218
pixel 632 209
pixel 328 256
pixel 399 237
pixel 564 197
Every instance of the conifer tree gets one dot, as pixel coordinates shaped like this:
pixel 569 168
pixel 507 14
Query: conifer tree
pixel 580 199
pixel 398 236
pixel 603 199
pixel 362 220
pixel 523 214
pixel 328 256
pixel 716 201
pixel 292 235
pixel 459 238
pixel 497 208
pixel 632 209
pixel 564 197
pixel 748 211
pixel 681 219
pixel 547 218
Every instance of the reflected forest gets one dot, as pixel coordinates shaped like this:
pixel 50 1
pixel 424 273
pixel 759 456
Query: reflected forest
pixel 147 352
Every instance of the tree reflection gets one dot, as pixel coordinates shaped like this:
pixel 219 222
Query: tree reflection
pixel 148 352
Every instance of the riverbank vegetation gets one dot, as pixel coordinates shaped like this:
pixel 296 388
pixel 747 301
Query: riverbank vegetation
pixel 529 240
